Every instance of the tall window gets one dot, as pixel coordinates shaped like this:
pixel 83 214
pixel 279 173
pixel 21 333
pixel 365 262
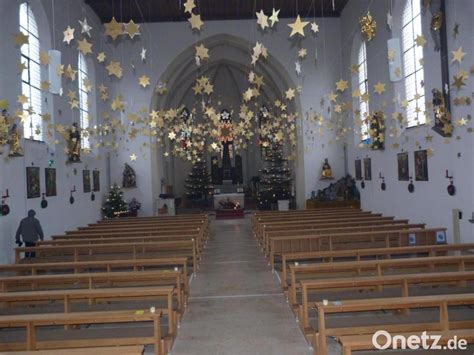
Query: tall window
pixel 31 75
pixel 363 87
pixel 412 65
pixel 84 88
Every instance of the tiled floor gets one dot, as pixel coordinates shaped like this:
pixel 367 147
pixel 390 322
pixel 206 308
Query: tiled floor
pixel 236 305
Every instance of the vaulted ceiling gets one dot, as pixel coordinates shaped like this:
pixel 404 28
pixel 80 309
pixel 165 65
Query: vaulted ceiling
pixel 172 10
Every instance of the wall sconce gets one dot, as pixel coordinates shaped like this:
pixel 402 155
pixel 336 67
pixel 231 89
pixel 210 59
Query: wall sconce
pixel 411 186
pixel 71 199
pixel 44 202
pixel 4 208
pixel 383 185
pixel 451 188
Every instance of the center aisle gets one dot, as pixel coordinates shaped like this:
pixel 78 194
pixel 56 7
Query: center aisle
pixel 236 305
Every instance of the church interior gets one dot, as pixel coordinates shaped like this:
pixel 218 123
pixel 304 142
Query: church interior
pixel 236 177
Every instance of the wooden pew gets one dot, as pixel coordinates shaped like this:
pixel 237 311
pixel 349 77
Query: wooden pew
pixel 362 240
pixel 33 321
pixel 111 251
pixel 351 343
pixel 354 269
pixel 400 282
pixel 377 253
pixel 443 303
pixel 104 350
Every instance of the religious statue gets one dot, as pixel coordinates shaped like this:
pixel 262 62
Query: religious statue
pixel 186 130
pixel 227 139
pixel 74 144
pixel 14 141
pixel 441 114
pixel 3 128
pixel 129 177
pixel 436 23
pixel 377 131
pixel 326 171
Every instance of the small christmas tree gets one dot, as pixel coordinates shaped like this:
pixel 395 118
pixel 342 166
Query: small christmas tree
pixel 115 205
pixel 275 180
pixel 198 181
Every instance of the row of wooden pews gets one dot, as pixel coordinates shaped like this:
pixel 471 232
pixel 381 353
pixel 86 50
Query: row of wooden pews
pixel 116 285
pixel 348 273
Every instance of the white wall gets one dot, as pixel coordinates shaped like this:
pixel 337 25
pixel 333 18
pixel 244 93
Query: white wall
pixel 430 202
pixel 165 41
pixel 60 214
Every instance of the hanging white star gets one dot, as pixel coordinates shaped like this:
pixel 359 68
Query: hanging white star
pixel 315 27
pixel 85 28
pixel 143 54
pixel 389 21
pixel 298 68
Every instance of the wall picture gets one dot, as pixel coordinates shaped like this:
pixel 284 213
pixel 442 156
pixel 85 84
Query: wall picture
pixel 403 167
pixel 358 169
pixel 33 189
pixel 96 180
pixel 421 165
pixel 367 169
pixel 50 181
pixel 86 180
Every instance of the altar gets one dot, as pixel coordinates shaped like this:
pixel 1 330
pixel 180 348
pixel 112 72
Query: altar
pixel 234 197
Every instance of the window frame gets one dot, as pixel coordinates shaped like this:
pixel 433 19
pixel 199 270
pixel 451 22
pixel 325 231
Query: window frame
pixel 84 104
pixel 363 87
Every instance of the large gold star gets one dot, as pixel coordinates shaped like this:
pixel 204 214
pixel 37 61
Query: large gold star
pixel 68 35
pixel 70 73
pixel 379 88
pixel 84 47
pixel 202 52
pixel 114 68
pixel 101 57
pixel 342 85
pixel 117 104
pixel 196 22
pixel 420 41
pixel 132 29
pixel 144 81
pixel 458 55
pixel 45 85
pixel 20 39
pixel 297 27
pixel 44 58
pixel 189 6
pixel 22 99
pixel 262 20
pixel 274 17
pixel 20 67
pixel 290 94
pixel 458 82
pixel 113 29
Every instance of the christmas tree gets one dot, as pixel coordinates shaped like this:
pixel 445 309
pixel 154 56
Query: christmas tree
pixel 115 205
pixel 275 179
pixel 198 181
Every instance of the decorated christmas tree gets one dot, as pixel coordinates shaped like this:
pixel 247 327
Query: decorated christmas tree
pixel 115 205
pixel 198 181
pixel 275 179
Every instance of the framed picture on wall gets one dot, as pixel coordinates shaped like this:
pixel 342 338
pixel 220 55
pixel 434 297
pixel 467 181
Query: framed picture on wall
pixel 358 169
pixel 421 165
pixel 33 189
pixel 367 169
pixel 403 167
pixel 86 180
pixel 50 181
pixel 96 180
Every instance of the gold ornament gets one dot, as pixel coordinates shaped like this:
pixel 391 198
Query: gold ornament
pixel 297 27
pixel 84 47
pixel 368 26
pixel 113 29
pixel 132 29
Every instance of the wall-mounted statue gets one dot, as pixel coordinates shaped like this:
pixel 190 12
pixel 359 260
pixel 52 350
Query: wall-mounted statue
pixel 14 140
pixel 436 23
pixel 74 144
pixel 3 128
pixel 326 171
pixel 377 131
pixel 442 117
pixel 129 177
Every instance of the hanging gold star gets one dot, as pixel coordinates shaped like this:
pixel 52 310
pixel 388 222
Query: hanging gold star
pixel 133 157
pixel 113 29
pixel 161 88
pixel 430 152
pixel 68 35
pixel 297 27
pixel 420 41
pixel 302 53
pixel 458 82
pixel 117 104
pixel 45 85
pixel 84 47
pixel 144 81
pixel 20 39
pixel 171 135
pixel 379 88
pixel 189 6
pixel 290 94
pixel 132 29
pixel 202 52
pixel 20 67
pixel 196 22
pixel 274 17
pixel 458 55
pixel 101 57
pixel 22 99
pixel 44 58
pixel 342 85
pixel 3 104
pixel 332 97
pixel 114 68
pixel 86 85
pixel 354 69
pixel 70 73
pixel 60 69
pixel 262 20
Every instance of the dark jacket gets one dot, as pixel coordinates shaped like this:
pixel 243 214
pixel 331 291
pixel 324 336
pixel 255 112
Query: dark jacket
pixel 30 229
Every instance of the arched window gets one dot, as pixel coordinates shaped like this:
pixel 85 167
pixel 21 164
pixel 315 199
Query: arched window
pixel 363 86
pixel 31 75
pixel 412 63
pixel 84 89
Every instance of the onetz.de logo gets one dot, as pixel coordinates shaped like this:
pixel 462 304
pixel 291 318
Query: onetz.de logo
pixel 383 340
